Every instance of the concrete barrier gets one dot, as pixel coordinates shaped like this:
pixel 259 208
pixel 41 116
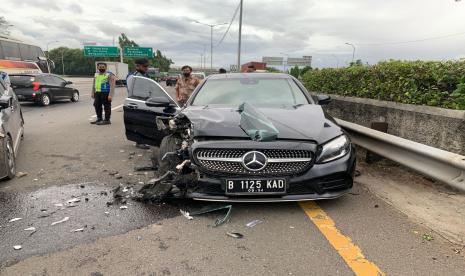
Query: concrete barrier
pixel 437 127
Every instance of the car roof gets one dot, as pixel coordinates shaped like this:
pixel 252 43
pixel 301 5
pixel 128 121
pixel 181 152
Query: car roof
pixel 249 76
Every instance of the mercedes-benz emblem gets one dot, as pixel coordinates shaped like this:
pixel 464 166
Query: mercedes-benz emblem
pixel 254 161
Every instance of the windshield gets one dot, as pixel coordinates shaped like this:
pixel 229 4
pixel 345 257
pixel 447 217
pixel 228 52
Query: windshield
pixel 259 92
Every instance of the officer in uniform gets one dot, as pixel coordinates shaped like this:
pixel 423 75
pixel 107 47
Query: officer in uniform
pixel 102 93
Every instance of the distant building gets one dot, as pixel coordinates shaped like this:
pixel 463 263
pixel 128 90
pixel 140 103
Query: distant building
pixel 256 64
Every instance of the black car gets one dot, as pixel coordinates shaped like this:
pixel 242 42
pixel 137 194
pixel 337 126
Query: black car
pixel 11 131
pixel 43 89
pixel 171 80
pixel 242 137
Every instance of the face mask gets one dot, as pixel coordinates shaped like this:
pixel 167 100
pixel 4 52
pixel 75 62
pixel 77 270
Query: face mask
pixel 186 74
pixel 101 70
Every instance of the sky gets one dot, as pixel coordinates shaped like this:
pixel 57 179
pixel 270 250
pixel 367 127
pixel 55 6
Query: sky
pixel 379 30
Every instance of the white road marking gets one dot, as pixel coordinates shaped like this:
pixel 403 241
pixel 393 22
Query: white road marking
pixel 113 109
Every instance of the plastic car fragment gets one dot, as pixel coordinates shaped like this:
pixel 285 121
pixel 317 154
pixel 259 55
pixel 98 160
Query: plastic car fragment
pixel 256 125
pixel 214 208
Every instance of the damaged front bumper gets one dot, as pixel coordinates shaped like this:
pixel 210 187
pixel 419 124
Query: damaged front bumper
pixel 321 181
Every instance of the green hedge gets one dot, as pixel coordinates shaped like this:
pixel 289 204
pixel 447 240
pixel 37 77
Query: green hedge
pixel 431 83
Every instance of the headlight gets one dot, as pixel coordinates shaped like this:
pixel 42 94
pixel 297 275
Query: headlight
pixel 334 149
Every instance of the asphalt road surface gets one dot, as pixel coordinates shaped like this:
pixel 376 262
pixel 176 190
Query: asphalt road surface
pixel 67 159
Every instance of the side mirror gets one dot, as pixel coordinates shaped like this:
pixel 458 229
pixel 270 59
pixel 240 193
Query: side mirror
pixel 5 102
pixel 158 102
pixel 323 99
pixel 68 82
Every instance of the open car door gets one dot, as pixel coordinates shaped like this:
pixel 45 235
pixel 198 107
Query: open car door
pixel 139 117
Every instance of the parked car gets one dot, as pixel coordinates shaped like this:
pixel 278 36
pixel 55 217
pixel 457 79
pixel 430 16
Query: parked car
pixel 171 80
pixel 11 131
pixel 43 89
pixel 243 137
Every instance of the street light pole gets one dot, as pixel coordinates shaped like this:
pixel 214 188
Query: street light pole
pixel 337 60
pixel 211 39
pixel 48 54
pixel 353 52
pixel 240 38
pixel 62 63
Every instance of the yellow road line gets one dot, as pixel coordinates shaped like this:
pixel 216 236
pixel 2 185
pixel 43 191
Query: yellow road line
pixel 351 253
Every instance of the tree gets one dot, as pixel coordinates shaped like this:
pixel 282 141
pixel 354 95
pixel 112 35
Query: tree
pixel 161 62
pixel 124 41
pixel 4 26
pixel 272 70
pixel 295 72
pixel 158 60
pixel 305 70
pixel 75 62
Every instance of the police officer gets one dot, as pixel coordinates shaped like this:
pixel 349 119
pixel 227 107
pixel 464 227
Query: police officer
pixel 102 93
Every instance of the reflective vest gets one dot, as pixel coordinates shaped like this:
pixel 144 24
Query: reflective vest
pixel 102 83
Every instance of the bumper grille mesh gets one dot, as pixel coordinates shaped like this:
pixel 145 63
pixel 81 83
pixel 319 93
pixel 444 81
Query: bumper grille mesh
pixel 288 167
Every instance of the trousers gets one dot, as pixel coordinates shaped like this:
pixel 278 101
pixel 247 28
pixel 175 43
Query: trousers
pixel 101 99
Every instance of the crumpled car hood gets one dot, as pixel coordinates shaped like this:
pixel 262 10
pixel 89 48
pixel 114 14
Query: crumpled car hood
pixel 307 122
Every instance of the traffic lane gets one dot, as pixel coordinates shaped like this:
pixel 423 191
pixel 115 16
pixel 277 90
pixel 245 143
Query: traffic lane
pixel 61 147
pixel 390 239
pixel 284 244
pixel 84 87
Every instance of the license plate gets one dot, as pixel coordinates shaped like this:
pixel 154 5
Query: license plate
pixel 255 186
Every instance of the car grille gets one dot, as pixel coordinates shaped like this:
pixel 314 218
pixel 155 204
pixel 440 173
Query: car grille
pixel 229 161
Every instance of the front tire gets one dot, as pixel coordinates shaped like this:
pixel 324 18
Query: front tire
pixel 168 144
pixel 75 97
pixel 10 158
pixel 45 100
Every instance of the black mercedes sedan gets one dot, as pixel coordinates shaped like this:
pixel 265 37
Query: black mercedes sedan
pixel 43 89
pixel 253 137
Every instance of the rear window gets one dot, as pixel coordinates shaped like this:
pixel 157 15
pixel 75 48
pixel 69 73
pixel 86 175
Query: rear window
pixel 21 80
pixel 27 52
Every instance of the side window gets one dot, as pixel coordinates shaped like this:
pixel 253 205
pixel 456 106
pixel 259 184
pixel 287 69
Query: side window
pixel 59 81
pixel 1 51
pixel 26 52
pixel 143 89
pixel 11 50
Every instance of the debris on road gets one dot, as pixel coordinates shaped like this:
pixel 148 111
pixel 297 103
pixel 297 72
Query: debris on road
pixel 112 173
pixel 427 237
pixel 73 200
pixel 14 219
pixel 253 223
pixel 33 229
pixel 235 235
pixel 78 230
pixel 124 207
pixel 21 174
pixel 214 208
pixel 186 214
pixel 58 205
pixel 17 247
pixel 60 221
pixel 144 168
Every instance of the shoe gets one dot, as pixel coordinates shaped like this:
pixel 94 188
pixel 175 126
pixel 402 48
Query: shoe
pixel 104 122
pixel 96 121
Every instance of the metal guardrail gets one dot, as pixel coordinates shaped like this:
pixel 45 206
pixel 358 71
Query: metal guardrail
pixel 438 164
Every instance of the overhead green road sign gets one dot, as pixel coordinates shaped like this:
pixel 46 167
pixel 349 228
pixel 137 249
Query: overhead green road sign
pixel 138 52
pixel 101 51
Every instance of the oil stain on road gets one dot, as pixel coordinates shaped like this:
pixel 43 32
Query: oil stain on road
pixel 91 211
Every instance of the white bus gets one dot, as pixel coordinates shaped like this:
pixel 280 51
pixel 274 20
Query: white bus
pixel 17 57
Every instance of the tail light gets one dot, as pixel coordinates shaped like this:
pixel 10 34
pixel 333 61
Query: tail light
pixel 35 86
